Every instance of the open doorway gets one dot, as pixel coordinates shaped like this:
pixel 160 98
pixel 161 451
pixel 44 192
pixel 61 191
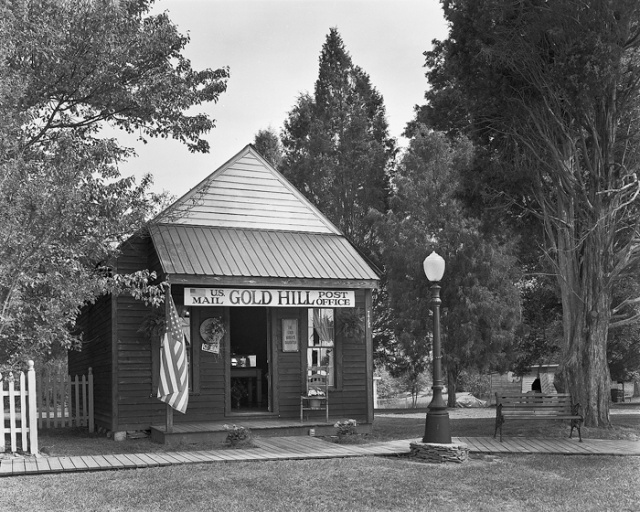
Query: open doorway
pixel 249 360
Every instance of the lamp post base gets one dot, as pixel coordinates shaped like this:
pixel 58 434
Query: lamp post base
pixel 436 428
pixel 438 453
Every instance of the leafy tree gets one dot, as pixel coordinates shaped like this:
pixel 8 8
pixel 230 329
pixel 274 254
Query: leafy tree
pixel 479 296
pixel 66 68
pixel 549 93
pixel 267 143
pixel 540 336
pixel 336 144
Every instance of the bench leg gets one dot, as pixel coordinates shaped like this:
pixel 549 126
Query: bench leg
pixel 575 424
pixel 499 422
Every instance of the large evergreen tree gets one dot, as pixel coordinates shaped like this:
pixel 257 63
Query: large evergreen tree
pixel 479 293
pixel 336 144
pixel 549 91
pixel 65 69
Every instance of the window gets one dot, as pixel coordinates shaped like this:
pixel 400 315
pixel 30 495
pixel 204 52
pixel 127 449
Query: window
pixel 321 341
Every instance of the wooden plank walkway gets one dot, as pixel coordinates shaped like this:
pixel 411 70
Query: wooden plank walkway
pixel 305 447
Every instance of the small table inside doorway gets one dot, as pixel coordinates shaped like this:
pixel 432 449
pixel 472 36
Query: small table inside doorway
pixel 250 374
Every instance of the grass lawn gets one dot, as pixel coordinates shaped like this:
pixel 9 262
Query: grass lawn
pixel 484 483
pixel 489 483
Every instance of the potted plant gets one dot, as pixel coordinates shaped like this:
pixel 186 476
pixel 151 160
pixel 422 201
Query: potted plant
pixel 315 403
pixel 238 392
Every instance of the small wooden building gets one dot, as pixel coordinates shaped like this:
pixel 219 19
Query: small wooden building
pixel 246 256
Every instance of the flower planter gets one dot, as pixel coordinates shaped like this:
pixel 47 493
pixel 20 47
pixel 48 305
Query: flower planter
pixel 315 403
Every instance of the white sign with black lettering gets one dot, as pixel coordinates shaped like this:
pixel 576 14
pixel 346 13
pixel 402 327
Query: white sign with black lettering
pixel 281 298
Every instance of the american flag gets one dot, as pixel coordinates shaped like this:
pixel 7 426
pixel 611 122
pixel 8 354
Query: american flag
pixel 174 370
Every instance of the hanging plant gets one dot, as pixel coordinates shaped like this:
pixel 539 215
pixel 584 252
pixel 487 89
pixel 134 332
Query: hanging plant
pixel 152 326
pixel 352 323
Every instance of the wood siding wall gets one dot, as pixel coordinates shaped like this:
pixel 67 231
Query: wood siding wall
pixel 136 405
pixel 96 326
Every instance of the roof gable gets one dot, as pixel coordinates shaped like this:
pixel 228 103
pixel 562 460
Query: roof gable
pixel 247 193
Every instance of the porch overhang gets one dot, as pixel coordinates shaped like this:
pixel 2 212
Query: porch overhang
pixel 212 256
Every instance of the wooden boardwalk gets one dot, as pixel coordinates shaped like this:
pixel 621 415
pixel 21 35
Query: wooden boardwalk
pixel 304 447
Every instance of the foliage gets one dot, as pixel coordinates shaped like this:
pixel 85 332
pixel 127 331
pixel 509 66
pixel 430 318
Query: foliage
pixel 549 92
pixel 67 69
pixel 479 295
pixel 238 390
pixel 475 382
pixel 237 434
pixel 540 336
pixel 268 144
pixel 346 428
pixel 336 144
pixel 351 321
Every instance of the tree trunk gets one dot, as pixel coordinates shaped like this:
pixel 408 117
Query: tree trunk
pixel 452 386
pixel 586 305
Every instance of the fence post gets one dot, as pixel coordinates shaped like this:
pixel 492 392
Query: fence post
pixel 91 424
pixel 33 410
pixel 23 411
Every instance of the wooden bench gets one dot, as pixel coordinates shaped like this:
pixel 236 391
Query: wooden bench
pixel 537 406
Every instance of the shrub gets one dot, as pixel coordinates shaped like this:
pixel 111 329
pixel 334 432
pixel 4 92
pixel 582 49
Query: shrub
pixel 237 434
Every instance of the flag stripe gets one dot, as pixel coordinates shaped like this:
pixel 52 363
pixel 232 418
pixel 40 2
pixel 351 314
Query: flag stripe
pixel 174 371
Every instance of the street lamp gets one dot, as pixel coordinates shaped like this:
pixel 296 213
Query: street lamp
pixel 436 428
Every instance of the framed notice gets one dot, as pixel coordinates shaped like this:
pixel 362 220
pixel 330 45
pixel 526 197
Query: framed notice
pixel 290 335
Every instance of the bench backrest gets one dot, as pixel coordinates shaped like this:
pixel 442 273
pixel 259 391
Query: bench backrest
pixel 540 403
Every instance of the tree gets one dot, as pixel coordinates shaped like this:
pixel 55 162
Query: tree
pixel 66 68
pixel 549 91
pixel 479 296
pixel 336 144
pixel 267 143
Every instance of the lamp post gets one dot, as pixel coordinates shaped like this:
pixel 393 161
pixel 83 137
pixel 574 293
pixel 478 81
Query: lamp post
pixel 436 428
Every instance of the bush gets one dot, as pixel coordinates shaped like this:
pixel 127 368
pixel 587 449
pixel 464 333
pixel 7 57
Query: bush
pixel 237 435
pixel 478 384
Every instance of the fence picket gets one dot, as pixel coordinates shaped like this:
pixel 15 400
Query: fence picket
pixel 91 422
pixel 76 385
pixel 54 402
pixel 12 413
pixel 68 413
pixel 2 427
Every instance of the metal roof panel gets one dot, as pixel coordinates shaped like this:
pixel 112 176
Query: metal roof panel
pixel 215 251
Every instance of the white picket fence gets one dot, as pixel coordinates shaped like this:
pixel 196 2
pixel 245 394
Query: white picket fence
pixel 56 401
pixel 22 419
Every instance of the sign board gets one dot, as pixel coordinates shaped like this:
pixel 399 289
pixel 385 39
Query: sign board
pixel 289 335
pixel 281 298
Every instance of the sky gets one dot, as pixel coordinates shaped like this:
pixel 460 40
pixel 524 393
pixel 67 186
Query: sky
pixel 272 48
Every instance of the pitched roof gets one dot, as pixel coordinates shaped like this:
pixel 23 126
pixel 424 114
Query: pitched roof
pixel 247 193
pixel 246 221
